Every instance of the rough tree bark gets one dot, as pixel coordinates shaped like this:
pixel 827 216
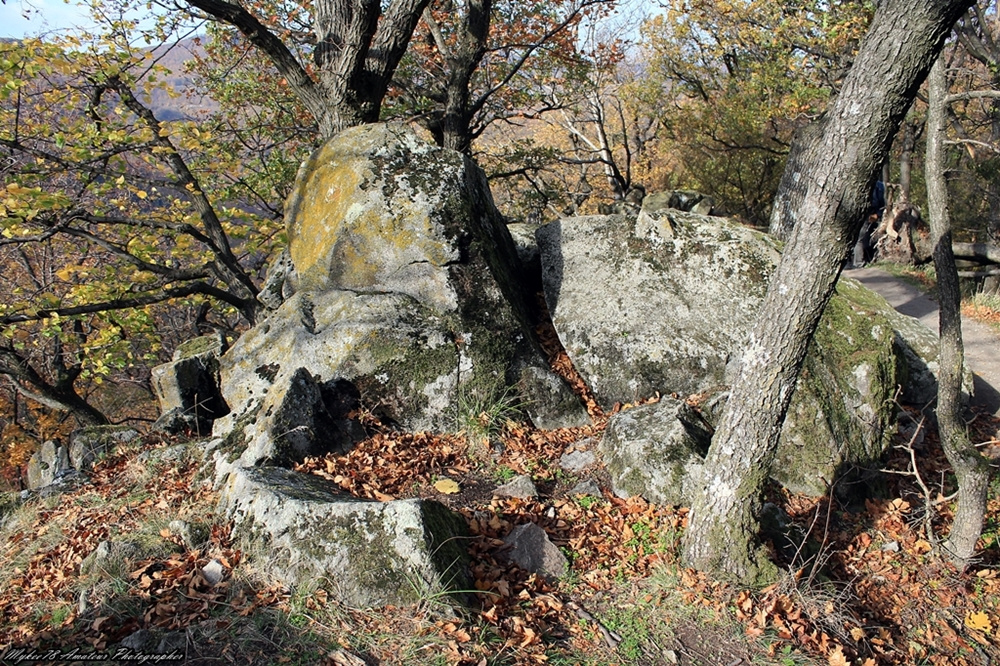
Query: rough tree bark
pixel 358 47
pixel 972 470
pixel 453 128
pixel 836 175
pixel 788 198
pixel 60 394
pixel 457 121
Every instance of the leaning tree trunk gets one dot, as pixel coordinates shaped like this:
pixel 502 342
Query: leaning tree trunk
pixel 972 470
pixel 836 176
pixel 788 198
pixel 60 395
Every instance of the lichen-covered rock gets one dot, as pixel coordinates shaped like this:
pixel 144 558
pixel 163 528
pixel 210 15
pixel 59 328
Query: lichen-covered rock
pixel 188 387
pixel 407 286
pixel 587 488
pixel 47 464
pixel 682 200
pixel 367 554
pixel 192 535
pixel 656 451
pixel 520 486
pixel 378 209
pixel 917 345
pixel 279 282
pixel 86 445
pixel 523 235
pixel 301 417
pixel 577 460
pixel 654 307
pixel 388 349
pixel 665 304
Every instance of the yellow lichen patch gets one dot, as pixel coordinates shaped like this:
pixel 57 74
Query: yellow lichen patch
pixel 326 194
pixel 355 227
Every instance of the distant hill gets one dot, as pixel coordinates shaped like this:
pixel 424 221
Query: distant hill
pixel 187 102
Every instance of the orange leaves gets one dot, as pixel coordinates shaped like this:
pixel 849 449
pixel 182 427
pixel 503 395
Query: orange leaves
pixel 562 366
pixel 981 311
pixel 390 465
pixel 103 511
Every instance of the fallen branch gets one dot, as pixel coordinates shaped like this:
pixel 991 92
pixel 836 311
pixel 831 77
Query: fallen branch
pixel 981 252
pixel 978 274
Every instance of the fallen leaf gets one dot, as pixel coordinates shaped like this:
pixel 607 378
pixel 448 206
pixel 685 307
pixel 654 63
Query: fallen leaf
pixel 979 621
pixel 837 658
pixel 342 658
pixel 447 486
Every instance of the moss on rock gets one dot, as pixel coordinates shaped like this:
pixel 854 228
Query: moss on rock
pixel 842 411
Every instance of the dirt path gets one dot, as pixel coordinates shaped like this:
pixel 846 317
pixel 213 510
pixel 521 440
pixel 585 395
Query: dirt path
pixel 982 345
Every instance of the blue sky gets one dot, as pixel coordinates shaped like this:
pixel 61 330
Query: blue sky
pixel 19 18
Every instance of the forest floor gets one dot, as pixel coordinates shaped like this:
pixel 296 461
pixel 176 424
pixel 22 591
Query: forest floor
pixel 868 586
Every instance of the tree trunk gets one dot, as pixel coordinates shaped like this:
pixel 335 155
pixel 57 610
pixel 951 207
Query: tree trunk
pixel 837 175
pixel 791 189
pixel 454 129
pixel 358 48
pixel 991 285
pixel 906 163
pixel 972 470
pixel 66 401
pixel 61 396
pixel 344 30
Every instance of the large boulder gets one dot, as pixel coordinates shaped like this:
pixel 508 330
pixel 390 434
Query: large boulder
pixel 843 410
pixel 407 287
pixel 365 553
pixel 188 387
pixel 917 344
pixel 665 303
pixel 661 305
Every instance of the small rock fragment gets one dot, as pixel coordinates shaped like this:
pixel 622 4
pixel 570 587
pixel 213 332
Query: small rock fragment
pixel 519 486
pixel 213 572
pixel 577 461
pixel 891 547
pixel 192 536
pixel 529 547
pixel 142 640
pixel 588 487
